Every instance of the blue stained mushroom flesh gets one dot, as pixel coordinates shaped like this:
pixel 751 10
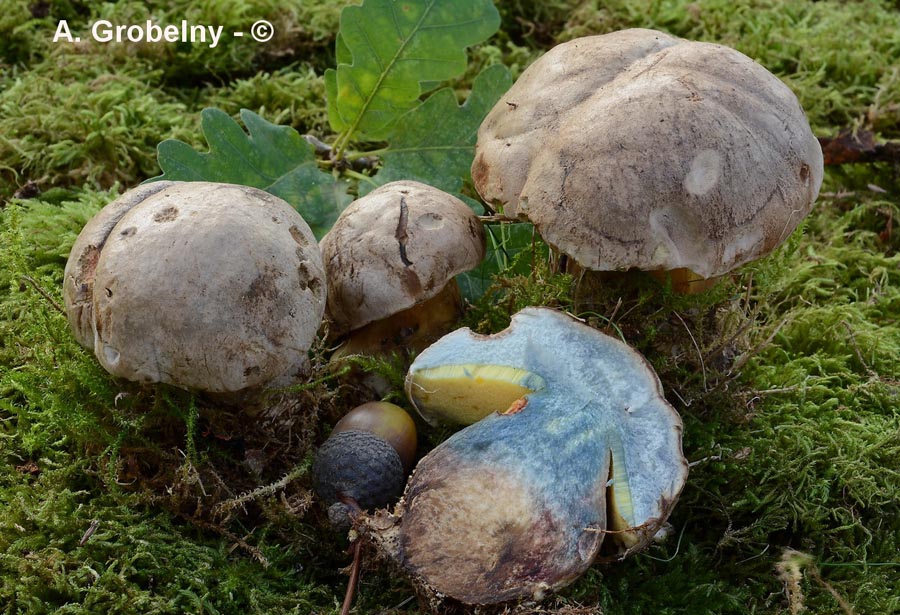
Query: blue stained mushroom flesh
pixel 519 502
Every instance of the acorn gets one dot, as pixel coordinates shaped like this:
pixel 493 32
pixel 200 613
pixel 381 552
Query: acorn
pixel 364 462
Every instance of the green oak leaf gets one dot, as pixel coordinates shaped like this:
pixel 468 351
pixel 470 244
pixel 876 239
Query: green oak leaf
pixel 396 45
pixel 435 142
pixel 271 157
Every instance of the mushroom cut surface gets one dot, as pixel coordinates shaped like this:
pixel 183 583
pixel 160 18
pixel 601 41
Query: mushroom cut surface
pixel 579 444
pixel 639 149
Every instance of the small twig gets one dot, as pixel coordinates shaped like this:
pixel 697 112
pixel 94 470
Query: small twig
pixel 677 548
pixel 354 578
pixel 89 532
pixel 789 389
pixel 696 347
pixel 497 218
pixel 872 373
pixel 238 541
pixel 704 460
pixel 357 558
pixel 44 293
pixel 728 342
pixel 842 602
pixel 742 361
pixel 248 496
pixel 321 147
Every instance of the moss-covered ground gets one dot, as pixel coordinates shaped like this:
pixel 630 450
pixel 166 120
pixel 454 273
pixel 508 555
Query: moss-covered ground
pixel 118 499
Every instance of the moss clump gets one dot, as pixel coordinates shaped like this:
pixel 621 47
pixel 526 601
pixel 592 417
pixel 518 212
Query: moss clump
pixel 291 96
pixel 70 121
pixel 786 376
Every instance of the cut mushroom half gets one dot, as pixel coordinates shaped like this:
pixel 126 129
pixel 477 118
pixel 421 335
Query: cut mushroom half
pixel 578 443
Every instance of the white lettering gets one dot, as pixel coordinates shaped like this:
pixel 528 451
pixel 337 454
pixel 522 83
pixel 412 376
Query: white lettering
pixel 198 31
pixel 154 32
pixel 101 31
pixel 62 31
pixel 135 34
pixel 172 34
pixel 215 33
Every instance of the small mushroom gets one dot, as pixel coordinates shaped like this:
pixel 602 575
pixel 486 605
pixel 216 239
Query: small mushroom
pixel 637 149
pixel 390 260
pixel 213 287
pixel 578 444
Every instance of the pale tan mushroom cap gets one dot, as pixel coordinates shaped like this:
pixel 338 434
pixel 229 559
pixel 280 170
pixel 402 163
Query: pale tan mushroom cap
pixel 206 286
pixel 639 149
pixel 394 248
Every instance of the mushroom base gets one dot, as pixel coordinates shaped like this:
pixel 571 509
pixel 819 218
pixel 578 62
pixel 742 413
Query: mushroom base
pixel 684 281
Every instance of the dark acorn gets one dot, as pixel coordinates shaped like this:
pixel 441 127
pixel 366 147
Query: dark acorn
pixel 364 463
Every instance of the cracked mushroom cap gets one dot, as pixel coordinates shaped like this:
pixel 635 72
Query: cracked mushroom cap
pixel 394 248
pixel 215 287
pixel 639 149
pixel 577 443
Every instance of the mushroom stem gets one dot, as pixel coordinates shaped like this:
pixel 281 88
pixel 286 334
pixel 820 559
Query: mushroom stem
pixel 684 281
pixel 412 329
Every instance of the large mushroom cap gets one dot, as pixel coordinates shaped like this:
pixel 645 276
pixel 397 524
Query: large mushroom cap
pixel 639 149
pixel 215 287
pixel 394 248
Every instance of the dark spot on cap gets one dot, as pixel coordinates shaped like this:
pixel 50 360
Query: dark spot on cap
pixel 480 171
pixel 166 215
pixel 298 236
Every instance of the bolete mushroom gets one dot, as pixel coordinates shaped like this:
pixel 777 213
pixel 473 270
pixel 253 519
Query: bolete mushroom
pixel 637 149
pixel 213 287
pixel 579 444
pixel 390 259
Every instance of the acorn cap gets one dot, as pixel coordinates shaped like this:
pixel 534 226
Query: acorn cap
pixel 639 149
pixel 394 248
pixel 358 465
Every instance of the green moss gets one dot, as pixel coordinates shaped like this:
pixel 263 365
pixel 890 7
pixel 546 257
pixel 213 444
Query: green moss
pixel 786 376
pixel 291 96
pixel 70 121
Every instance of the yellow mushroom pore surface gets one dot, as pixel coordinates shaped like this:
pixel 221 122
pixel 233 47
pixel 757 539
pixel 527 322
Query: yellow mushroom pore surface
pixel 467 393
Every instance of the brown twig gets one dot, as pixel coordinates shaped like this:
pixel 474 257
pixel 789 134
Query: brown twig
pixel 872 373
pixel 357 558
pixel 354 577
pixel 696 347
pixel 851 146
pixel 44 293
